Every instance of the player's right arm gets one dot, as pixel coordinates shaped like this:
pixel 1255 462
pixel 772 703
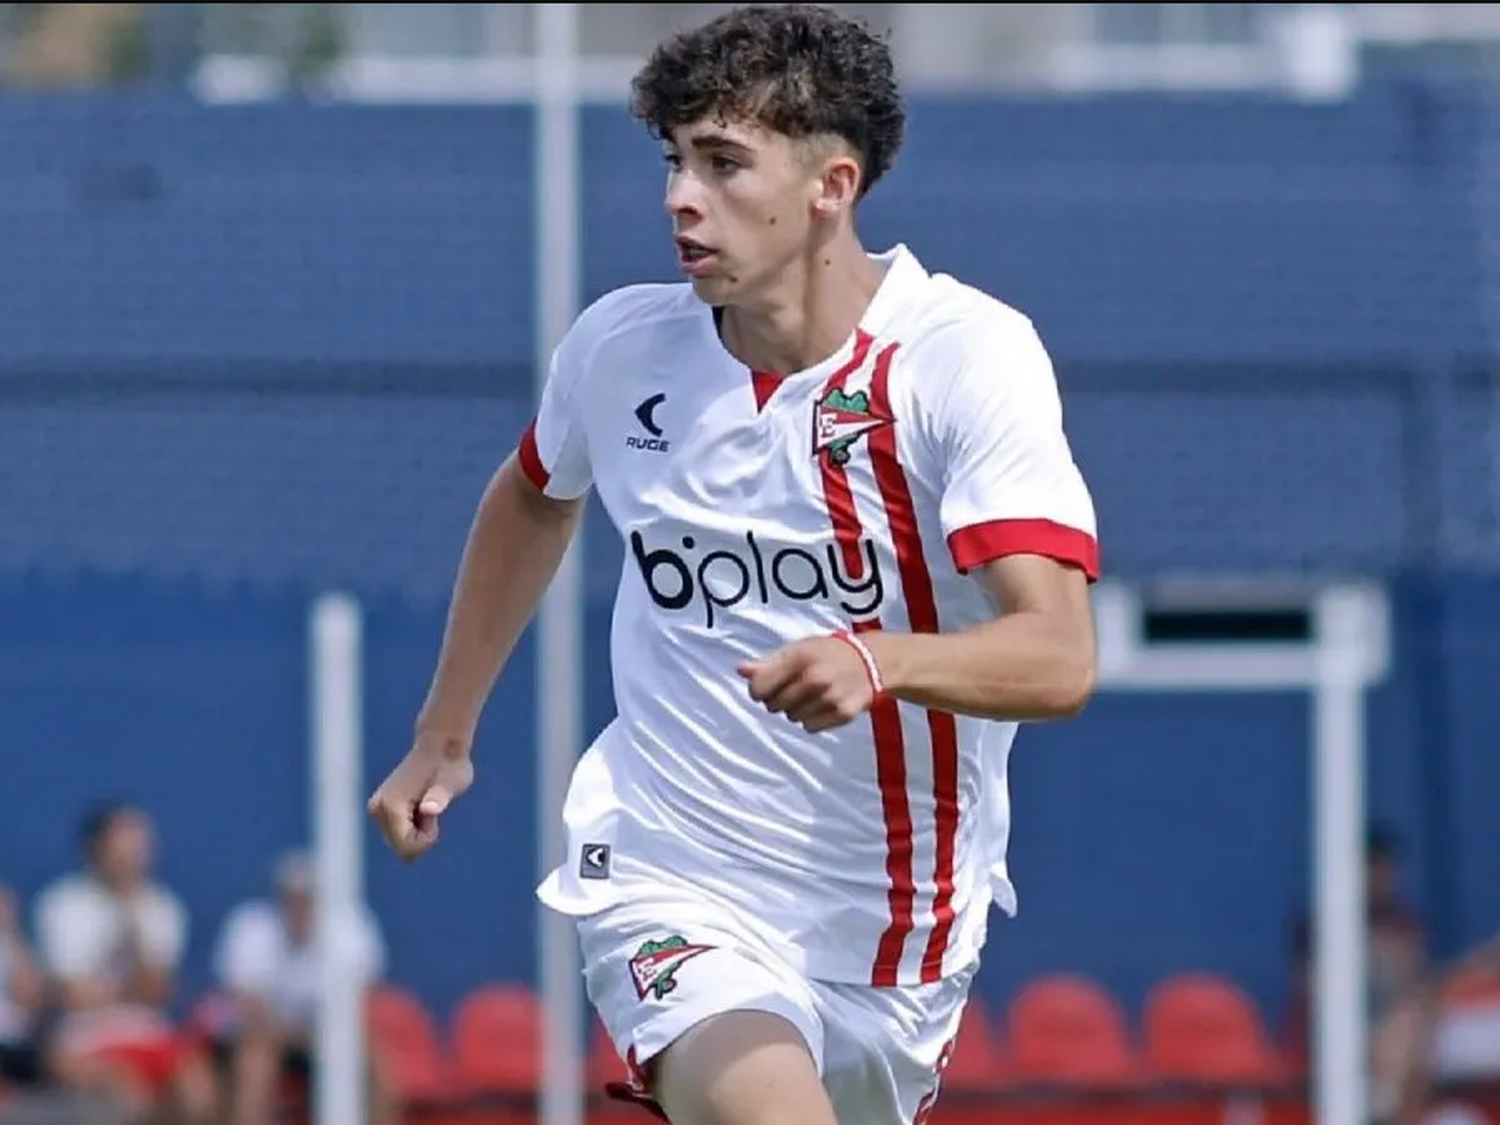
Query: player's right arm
pixel 520 532
pixel 515 545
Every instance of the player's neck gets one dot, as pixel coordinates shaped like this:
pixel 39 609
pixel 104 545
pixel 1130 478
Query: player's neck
pixel 811 315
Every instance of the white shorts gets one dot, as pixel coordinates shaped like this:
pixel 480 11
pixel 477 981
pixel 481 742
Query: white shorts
pixel 656 966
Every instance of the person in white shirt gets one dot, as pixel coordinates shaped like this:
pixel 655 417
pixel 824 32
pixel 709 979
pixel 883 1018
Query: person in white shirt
pixel 262 1020
pixel 111 939
pixel 857 554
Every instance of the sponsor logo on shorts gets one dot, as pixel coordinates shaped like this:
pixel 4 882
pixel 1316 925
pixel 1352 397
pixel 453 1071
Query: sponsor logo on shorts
pixel 655 964
pixel 593 862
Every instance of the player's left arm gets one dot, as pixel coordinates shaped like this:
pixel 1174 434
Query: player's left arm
pixel 1036 660
pixel 1018 518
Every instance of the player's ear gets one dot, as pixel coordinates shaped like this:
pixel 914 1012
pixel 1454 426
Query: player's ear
pixel 837 183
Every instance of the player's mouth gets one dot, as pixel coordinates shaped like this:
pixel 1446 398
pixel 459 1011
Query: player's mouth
pixel 693 257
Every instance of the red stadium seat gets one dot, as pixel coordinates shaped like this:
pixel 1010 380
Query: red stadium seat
pixel 496 1034
pixel 978 1060
pixel 404 1041
pixel 1200 1028
pixel 1066 1030
pixel 605 1064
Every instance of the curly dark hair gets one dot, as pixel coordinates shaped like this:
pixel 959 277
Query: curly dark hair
pixel 801 70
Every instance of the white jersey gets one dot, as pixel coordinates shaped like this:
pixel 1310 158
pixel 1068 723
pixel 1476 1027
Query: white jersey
pixel 756 511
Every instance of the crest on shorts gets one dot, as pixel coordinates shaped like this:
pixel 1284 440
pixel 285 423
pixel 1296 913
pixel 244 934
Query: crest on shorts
pixel 655 964
pixel 840 420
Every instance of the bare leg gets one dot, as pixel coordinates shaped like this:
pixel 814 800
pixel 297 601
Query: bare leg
pixel 741 1068
pixel 194 1090
pixel 254 1075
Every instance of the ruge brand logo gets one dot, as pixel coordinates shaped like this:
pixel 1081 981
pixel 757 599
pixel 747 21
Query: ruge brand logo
pixel 722 579
pixel 645 414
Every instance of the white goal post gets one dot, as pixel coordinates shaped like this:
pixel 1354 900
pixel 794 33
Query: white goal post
pixel 336 713
pixel 1345 654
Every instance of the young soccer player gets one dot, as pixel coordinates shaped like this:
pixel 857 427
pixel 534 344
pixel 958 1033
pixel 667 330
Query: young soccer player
pixel 857 553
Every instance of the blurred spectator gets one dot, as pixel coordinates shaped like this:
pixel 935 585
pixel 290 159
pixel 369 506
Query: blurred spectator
pixel 262 1021
pixel 112 938
pixel 1465 1043
pixel 22 996
pixel 1395 983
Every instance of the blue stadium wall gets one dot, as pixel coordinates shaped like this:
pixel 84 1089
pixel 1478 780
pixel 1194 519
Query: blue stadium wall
pixel 247 354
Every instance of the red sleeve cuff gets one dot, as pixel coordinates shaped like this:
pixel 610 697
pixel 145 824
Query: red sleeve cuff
pixel 980 543
pixel 531 460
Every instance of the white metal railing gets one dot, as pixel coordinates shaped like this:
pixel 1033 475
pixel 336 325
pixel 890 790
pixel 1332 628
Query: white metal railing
pixel 500 80
pixel 1309 50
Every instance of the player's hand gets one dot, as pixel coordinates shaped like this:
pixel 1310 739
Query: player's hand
pixel 819 684
pixel 409 803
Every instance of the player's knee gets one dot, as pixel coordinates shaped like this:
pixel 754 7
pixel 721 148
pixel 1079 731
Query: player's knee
pixel 741 1068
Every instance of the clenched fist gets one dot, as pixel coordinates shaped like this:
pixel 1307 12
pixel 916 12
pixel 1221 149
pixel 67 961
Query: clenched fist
pixel 418 791
pixel 819 683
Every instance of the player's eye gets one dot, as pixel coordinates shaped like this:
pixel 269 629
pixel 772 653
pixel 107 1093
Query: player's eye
pixel 724 164
pixel 673 160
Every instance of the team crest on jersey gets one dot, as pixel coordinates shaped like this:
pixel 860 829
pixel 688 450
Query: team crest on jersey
pixel 655 964
pixel 842 419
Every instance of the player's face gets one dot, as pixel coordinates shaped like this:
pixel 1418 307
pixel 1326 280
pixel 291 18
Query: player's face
pixel 746 203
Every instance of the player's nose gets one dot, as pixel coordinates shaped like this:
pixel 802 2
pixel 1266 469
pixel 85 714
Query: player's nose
pixel 681 201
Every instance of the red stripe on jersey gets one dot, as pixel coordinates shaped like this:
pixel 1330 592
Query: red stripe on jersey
pixel 885 718
pixel 836 493
pixel 763 384
pixel 921 609
pixel 979 543
pixel 895 807
pixel 530 459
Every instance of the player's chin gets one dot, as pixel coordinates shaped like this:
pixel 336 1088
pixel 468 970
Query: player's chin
pixel 712 288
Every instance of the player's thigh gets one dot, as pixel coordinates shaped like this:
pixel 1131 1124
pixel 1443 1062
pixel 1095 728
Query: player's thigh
pixel 655 971
pixel 741 1068
pixel 885 1049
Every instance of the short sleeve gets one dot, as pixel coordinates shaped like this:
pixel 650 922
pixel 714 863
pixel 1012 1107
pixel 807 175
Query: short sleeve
pixel 248 958
pixel 1009 482
pixel 553 452
pixel 71 932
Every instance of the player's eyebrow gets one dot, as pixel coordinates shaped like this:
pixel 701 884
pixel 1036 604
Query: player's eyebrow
pixel 719 142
